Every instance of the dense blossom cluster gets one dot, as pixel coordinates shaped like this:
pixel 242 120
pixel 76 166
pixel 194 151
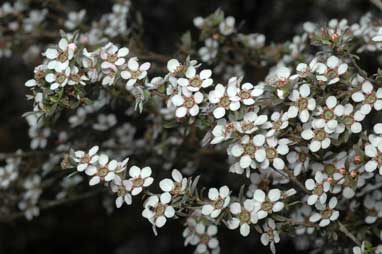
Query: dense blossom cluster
pixel 308 137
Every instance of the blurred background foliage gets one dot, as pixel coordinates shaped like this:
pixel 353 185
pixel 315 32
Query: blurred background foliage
pixel 85 226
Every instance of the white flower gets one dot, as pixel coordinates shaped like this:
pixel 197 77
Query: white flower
pixel 329 115
pixel 194 81
pixel 227 26
pixel 86 160
pixel 187 103
pixel 74 19
pixel 219 199
pixel 201 235
pixel 8 174
pixel 244 215
pixel 318 136
pixel 270 235
pixel 374 152
pixel 134 72
pixel 174 67
pixel 122 189
pixel 368 97
pixel 176 186
pixel 249 150
pixel 105 122
pixel 122 165
pixel 350 120
pixel 327 213
pixel 89 62
pixel 112 56
pixel 251 122
pixel 226 99
pixel 279 121
pixel 58 79
pixel 319 186
pixel 373 205
pixel 76 77
pixel 104 171
pixel 281 77
pixel 59 58
pixel 140 178
pixel 253 40
pixel 302 103
pixel 222 131
pixel 39 137
pixel 269 203
pixel 209 51
pixel 158 209
pixel 273 149
pixel 298 160
pixel 335 69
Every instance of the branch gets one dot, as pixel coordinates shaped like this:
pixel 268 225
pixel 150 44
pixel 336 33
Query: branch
pixel 51 204
pixel 344 230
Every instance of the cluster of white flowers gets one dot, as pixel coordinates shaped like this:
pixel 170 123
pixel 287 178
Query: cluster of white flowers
pixel 307 125
pixel 9 172
pixel 30 197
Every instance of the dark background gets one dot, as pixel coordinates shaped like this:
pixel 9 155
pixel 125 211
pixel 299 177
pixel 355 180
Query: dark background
pixel 85 226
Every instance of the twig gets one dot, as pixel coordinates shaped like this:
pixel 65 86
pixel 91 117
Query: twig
pixel 51 204
pixel 293 178
pixel 344 230
pixel 4 156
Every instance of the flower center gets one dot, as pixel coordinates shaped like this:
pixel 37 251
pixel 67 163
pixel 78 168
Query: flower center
pixel 188 102
pixel 328 114
pixel 325 214
pixel 250 150
pixel 320 135
pixel 75 77
pixel 277 125
pixel 60 78
pixel 330 169
pixel 219 203
pixel 159 210
pixel 135 74
pixel 85 159
pixel 121 191
pixel 204 239
pixel 370 98
pixel 112 58
pixel 225 102
pixel 138 182
pixel 348 120
pixel 302 103
pixel 102 172
pixel 246 126
pixel 178 69
pixel 62 56
pixel 39 75
pixel 318 190
pixel 302 157
pixel 177 189
pixel 267 206
pixel 244 216
pixel 196 81
pixel 244 94
pixel 271 153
